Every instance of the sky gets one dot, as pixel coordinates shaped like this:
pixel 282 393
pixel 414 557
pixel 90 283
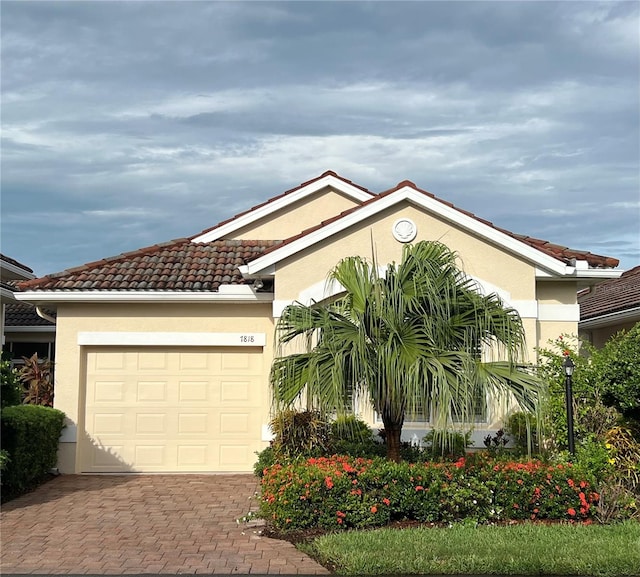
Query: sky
pixel 125 124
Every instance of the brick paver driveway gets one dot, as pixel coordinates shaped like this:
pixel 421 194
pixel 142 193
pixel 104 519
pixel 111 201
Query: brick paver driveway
pixel 142 524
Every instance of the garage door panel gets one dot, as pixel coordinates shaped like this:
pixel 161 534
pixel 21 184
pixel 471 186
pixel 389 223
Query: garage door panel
pixel 165 411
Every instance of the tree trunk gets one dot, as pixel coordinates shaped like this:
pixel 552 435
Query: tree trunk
pixel 393 432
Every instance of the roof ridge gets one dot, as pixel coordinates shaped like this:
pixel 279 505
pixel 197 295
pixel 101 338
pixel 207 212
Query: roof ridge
pixel 556 251
pixel 282 195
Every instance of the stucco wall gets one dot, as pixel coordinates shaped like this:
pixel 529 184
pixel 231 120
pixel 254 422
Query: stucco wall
pixel 373 236
pixel 297 217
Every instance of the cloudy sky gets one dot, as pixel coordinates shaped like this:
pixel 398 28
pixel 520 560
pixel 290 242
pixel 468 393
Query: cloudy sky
pixel 130 123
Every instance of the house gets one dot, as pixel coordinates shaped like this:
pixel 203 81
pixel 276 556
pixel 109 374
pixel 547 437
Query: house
pixel 163 353
pixel 24 330
pixel 609 307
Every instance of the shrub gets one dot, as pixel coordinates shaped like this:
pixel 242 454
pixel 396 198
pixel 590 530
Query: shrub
pixel 299 433
pixel 450 444
pixel 10 388
pixel 4 459
pixel 523 429
pixel 30 435
pixel 342 492
pixel 617 369
pixel 266 458
pixel 37 377
pixel 350 428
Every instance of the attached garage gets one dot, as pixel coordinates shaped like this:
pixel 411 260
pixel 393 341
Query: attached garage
pixel 155 409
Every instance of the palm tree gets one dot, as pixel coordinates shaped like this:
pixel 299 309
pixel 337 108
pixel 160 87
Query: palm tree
pixel 419 335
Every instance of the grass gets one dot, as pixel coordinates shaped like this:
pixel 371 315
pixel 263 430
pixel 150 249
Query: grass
pixel 527 549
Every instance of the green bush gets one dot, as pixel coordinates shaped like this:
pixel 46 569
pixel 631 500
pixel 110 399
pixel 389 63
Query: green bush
pixel 617 368
pixel 30 435
pixel 10 387
pixel 445 444
pixel 342 492
pixel 523 429
pixel 4 459
pixel 266 458
pixel 350 428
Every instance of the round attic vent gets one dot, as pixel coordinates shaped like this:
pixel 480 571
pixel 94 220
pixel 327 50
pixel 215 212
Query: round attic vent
pixel 404 230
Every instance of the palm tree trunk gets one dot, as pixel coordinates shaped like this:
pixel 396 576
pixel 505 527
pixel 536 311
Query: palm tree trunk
pixel 393 432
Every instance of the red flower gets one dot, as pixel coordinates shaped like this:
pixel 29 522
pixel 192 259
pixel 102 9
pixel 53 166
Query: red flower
pixel 328 482
pixel 374 509
pixel 340 514
pixel 419 488
pixel 571 511
pixel 386 501
pixel 571 483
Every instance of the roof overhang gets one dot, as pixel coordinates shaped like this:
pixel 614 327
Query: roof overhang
pixel 546 265
pixel 628 315
pixel 227 294
pixel 13 272
pixel 269 208
pixel 30 329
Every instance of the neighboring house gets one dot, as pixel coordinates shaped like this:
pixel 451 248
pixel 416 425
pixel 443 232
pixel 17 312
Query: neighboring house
pixel 163 353
pixel 24 331
pixel 609 307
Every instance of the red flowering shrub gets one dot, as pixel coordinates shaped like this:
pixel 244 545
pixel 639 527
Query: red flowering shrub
pixel 343 492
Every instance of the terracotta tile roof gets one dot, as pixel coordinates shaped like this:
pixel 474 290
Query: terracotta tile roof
pixel 15 263
pixel 24 315
pixel 567 255
pixel 285 193
pixel 178 265
pixel 611 296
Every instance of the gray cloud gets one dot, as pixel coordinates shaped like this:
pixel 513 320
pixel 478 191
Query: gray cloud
pixel 128 123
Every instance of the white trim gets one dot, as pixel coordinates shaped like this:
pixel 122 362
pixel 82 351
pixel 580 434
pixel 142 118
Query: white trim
pixel 242 296
pixel 596 274
pixel 526 309
pixel 172 339
pixel 265 210
pixel 611 319
pixel 16 270
pixel 409 194
pixel 559 312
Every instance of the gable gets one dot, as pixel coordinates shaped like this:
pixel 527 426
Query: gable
pixel 297 216
pixel 551 260
pixel 479 258
pixel 275 207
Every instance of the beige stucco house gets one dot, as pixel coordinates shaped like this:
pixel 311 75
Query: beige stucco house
pixel 163 354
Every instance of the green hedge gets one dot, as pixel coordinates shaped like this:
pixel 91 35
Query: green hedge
pixel 340 492
pixel 30 435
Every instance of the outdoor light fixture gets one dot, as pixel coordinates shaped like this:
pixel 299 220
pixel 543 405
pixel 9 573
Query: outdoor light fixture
pixel 258 284
pixel 568 366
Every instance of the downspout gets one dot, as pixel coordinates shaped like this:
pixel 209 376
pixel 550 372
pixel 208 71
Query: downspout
pixel 45 316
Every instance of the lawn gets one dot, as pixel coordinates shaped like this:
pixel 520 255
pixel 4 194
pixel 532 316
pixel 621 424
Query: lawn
pixel 524 549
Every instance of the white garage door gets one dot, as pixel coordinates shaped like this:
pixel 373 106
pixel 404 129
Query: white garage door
pixel 189 409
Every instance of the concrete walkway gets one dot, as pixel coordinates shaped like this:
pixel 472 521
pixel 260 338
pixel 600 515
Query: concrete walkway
pixel 143 524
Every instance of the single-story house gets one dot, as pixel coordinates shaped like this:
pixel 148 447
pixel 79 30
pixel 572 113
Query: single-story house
pixel 25 329
pixel 163 353
pixel 610 307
